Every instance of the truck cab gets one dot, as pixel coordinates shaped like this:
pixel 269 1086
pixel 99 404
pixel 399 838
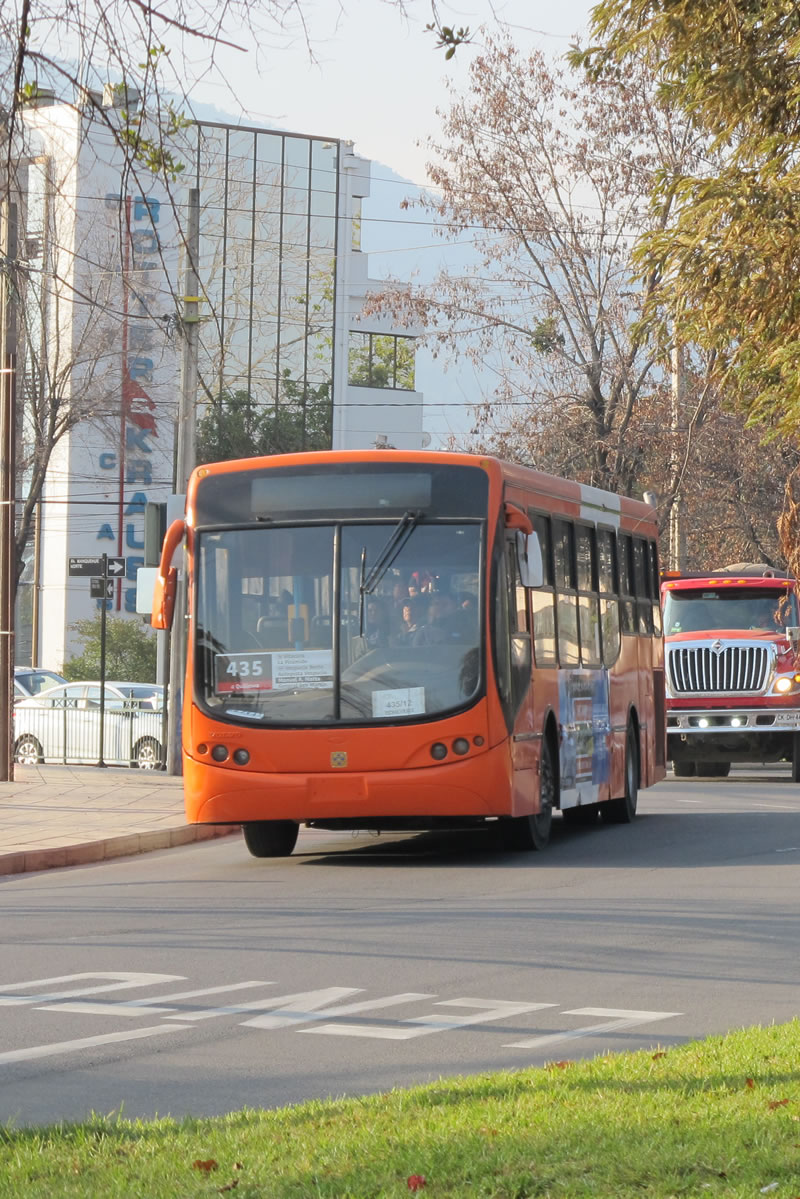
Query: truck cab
pixel 732 669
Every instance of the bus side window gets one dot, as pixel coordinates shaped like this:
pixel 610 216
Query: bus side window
pixel 609 603
pixel 654 580
pixel 627 608
pixel 588 603
pixel 641 581
pixel 567 599
pixel 543 599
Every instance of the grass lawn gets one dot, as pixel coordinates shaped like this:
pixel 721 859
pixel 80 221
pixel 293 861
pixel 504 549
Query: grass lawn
pixel 712 1118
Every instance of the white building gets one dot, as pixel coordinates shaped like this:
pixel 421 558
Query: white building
pixel 282 283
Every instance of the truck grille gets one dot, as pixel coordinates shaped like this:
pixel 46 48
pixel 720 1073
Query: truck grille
pixel 733 669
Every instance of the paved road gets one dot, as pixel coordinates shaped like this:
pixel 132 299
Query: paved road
pixel 200 980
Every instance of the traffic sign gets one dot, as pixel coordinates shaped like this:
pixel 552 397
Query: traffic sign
pixel 93 567
pixel 100 588
pixel 85 566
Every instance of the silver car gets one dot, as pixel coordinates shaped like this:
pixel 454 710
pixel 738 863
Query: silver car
pixel 62 724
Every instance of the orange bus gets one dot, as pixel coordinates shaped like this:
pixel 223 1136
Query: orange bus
pixel 398 640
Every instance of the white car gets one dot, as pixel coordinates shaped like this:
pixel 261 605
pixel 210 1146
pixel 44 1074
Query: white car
pixel 62 724
pixel 30 680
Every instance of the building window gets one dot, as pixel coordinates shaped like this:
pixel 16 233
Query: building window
pixel 381 360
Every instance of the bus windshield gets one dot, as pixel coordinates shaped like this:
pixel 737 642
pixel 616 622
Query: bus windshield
pixel 288 633
pixel 756 609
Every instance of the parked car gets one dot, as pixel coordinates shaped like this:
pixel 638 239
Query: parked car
pixel 148 695
pixel 30 680
pixel 62 724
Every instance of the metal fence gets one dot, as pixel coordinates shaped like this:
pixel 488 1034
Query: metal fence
pixel 70 731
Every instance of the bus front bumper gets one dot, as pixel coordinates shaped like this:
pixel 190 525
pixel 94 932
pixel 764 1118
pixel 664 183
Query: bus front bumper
pixel 478 788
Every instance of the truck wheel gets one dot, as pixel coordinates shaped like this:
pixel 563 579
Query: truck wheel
pixel 796 757
pixel 710 770
pixel 684 770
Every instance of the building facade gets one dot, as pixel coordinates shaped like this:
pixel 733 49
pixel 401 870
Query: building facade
pixel 281 285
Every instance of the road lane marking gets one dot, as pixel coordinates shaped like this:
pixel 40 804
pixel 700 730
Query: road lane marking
pixel 111 1038
pixel 145 1007
pixel 310 999
pixel 129 980
pixel 622 1018
pixel 420 1026
pixel 288 1017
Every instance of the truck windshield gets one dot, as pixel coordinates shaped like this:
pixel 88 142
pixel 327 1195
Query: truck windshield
pixel 286 634
pixel 764 610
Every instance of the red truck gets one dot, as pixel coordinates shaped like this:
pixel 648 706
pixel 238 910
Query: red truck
pixel 732 669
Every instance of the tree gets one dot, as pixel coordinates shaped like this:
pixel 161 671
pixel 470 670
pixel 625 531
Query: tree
pixel 728 252
pixel 550 175
pixel 727 256
pixel 130 651
pixel 237 426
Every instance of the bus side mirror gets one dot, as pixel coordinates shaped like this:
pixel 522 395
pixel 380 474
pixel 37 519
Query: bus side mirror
pixel 529 556
pixel 164 599
pixel 167 579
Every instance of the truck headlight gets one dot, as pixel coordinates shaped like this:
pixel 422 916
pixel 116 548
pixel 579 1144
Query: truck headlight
pixel 783 685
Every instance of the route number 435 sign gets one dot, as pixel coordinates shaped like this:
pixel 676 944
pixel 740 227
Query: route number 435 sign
pixel 289 670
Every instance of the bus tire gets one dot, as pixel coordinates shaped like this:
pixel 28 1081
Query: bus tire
pixel 533 832
pixel 684 770
pixel 623 809
pixel 271 838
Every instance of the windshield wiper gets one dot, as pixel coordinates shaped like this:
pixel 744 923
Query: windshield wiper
pixel 400 535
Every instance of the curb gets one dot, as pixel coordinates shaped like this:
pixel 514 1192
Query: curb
pixel 27 860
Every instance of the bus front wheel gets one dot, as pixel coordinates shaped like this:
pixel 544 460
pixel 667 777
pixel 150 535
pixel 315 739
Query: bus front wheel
pixel 533 832
pixel 271 838
pixel 623 810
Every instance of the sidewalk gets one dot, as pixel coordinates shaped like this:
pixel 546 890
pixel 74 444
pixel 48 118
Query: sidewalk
pixel 70 815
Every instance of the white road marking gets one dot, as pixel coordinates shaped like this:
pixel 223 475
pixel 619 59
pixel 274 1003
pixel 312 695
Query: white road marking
pixel 420 1026
pixel 111 1038
pixel 789 849
pixel 310 999
pixel 145 1007
pixel 128 981
pixel 622 1018
pixel 288 1017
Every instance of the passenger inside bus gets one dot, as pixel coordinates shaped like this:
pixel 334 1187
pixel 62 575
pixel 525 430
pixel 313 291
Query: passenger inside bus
pixel 444 623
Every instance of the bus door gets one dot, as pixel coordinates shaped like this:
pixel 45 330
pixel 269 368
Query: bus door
pixel 513 649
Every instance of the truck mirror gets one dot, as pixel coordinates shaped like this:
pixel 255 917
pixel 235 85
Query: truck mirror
pixel 793 633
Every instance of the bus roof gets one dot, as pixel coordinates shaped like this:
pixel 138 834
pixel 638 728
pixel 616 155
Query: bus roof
pixel 587 499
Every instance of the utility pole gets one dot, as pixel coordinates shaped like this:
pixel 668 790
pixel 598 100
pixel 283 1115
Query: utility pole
pixel 184 465
pixel 8 461
pixel 677 516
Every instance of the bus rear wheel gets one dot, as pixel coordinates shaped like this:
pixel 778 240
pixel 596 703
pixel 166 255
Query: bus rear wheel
pixel 271 838
pixel 623 809
pixel 533 832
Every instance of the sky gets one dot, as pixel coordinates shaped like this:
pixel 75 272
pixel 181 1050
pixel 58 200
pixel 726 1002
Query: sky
pixel 364 72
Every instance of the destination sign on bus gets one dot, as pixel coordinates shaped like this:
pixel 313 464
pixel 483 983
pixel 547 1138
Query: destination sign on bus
pixel 296 670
